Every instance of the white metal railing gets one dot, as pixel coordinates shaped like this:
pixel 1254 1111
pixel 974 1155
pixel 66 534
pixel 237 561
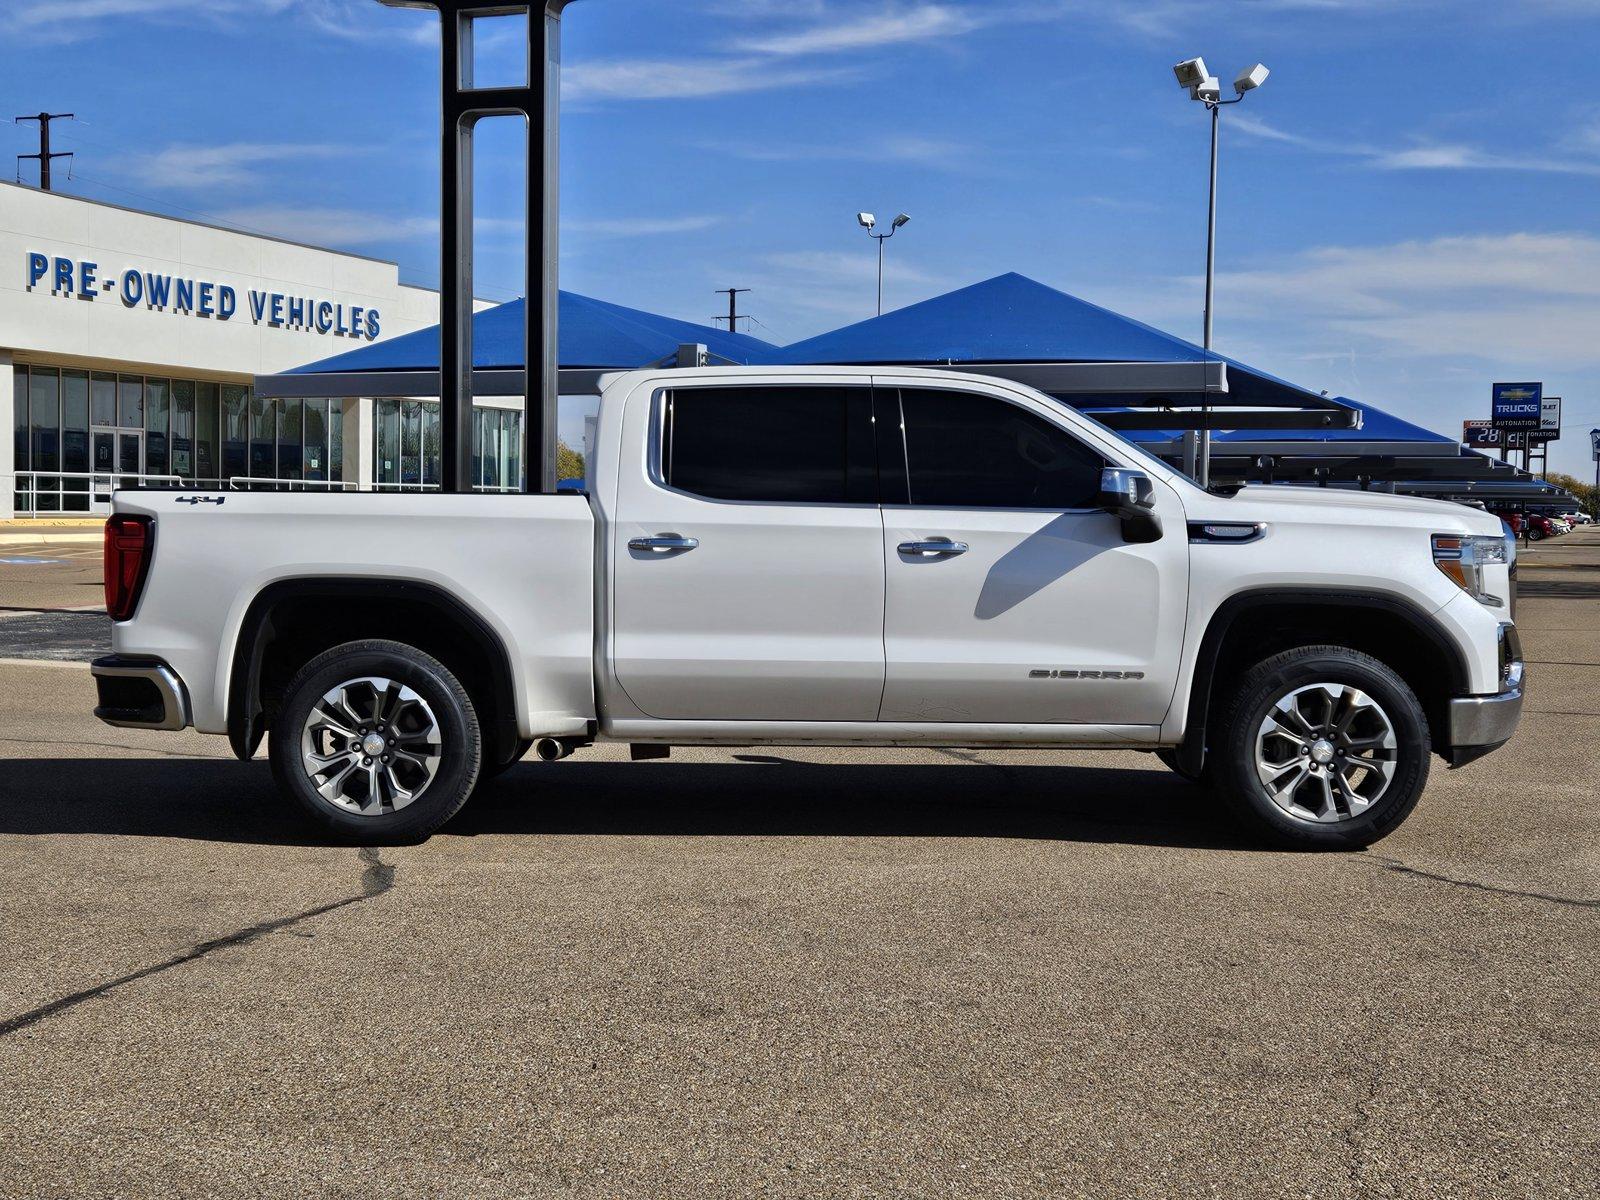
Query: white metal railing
pixel 40 493
pixel 53 493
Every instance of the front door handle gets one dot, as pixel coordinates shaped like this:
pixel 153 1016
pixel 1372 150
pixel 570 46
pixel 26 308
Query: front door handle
pixel 937 547
pixel 664 543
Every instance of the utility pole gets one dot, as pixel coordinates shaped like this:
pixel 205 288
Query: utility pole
pixel 732 293
pixel 44 156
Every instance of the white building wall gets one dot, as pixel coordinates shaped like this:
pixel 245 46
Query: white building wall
pixel 95 327
pixel 40 319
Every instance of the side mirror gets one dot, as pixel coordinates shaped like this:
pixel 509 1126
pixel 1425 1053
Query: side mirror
pixel 1130 496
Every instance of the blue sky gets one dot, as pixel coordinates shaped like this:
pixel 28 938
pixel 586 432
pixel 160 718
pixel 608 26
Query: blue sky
pixel 1410 206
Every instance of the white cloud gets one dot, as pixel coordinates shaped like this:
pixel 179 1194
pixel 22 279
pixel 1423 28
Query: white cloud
pixel 1519 297
pixel 639 226
pixel 924 151
pixel 683 79
pixel 85 20
pixel 915 23
pixel 337 227
pixel 1583 146
pixel 228 164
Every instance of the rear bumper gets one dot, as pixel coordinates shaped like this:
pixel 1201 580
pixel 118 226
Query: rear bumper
pixel 139 693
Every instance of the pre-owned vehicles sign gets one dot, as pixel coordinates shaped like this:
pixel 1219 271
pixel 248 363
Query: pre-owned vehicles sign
pixel 1517 405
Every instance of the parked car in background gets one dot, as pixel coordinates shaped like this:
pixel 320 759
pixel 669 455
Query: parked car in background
pixel 1513 521
pixel 1540 527
pixel 1577 518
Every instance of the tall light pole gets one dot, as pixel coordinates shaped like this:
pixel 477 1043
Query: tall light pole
pixel 1204 87
pixel 869 222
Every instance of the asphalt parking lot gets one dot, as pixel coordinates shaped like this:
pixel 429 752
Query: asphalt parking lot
pixel 798 973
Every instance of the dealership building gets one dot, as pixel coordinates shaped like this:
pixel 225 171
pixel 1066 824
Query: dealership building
pixel 129 342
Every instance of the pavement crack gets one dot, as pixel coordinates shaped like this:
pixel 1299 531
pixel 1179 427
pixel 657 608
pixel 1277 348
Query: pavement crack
pixel 1400 868
pixel 376 879
pixel 1351 1133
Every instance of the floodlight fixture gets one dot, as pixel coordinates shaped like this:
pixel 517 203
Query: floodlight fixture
pixel 869 222
pixel 1201 85
pixel 1251 79
pixel 1191 73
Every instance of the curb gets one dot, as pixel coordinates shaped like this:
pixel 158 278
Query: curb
pixel 51 539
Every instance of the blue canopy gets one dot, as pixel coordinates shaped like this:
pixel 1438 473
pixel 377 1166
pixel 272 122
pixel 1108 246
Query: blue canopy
pixel 593 333
pixel 1009 318
pixel 1014 319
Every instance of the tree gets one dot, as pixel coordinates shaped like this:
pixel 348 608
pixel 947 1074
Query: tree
pixel 569 462
pixel 1585 492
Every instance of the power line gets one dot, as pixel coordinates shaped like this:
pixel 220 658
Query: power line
pixel 44 156
pixel 733 307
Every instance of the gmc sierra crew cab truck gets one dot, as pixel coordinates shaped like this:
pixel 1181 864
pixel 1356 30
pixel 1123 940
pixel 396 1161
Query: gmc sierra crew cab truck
pixel 824 556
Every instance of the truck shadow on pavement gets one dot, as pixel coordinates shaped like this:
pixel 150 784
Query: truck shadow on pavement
pixel 225 801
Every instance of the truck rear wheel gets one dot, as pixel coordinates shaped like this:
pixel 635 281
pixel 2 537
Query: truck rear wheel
pixel 1321 748
pixel 378 741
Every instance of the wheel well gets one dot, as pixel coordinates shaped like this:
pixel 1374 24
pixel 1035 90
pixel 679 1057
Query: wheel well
pixel 291 623
pixel 1390 630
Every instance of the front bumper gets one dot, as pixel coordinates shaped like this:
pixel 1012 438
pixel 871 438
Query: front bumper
pixel 139 693
pixel 1482 724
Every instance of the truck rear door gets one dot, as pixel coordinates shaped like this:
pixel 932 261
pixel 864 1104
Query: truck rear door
pixel 747 562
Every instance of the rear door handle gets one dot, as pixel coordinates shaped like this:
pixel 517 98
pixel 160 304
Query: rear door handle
pixel 937 547
pixel 664 543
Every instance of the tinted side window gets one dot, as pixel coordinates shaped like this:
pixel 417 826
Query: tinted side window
pixel 774 444
pixel 980 452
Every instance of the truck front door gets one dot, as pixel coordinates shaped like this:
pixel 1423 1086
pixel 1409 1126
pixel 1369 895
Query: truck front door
pixel 746 557
pixel 1010 598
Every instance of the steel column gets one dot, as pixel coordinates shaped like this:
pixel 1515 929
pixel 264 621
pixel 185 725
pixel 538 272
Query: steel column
pixel 462 106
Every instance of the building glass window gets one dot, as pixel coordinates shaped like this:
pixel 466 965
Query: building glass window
pixel 130 401
pixel 21 448
pixel 44 404
pixel 512 441
pixel 316 439
pixel 335 439
pixel 411 443
pixel 75 438
pixel 291 443
pixel 103 400
pixel 236 430
pixel 263 438
pixel 207 445
pixel 157 414
pixel 183 428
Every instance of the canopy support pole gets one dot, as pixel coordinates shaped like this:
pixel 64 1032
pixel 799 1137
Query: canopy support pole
pixel 462 106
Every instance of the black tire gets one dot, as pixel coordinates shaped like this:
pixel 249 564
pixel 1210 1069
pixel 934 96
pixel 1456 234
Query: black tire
pixel 460 742
pixel 1169 759
pixel 1232 763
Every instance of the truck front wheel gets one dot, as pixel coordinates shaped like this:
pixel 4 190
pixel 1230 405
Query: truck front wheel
pixel 1321 748
pixel 378 741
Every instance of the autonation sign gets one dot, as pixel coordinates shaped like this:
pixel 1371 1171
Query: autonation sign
pixel 1517 405
pixel 202 298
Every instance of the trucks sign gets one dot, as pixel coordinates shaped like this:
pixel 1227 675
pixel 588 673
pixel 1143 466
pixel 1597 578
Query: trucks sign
pixel 1517 405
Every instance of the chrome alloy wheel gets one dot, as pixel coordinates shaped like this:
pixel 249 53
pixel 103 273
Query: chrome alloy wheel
pixel 1326 752
pixel 371 745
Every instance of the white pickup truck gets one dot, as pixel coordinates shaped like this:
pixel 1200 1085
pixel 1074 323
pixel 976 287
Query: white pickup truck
pixel 824 556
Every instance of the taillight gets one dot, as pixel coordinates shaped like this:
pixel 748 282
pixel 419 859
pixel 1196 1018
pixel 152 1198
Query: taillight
pixel 129 541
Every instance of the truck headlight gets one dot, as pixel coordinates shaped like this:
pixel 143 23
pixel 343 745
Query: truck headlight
pixel 1466 561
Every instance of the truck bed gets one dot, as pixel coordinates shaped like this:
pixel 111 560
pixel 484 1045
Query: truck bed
pixel 524 564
